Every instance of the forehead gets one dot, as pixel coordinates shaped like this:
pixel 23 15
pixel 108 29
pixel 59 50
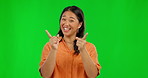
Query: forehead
pixel 69 14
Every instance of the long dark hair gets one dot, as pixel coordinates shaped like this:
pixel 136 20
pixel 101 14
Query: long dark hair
pixel 80 16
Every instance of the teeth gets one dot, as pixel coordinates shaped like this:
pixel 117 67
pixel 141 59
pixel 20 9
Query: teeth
pixel 66 29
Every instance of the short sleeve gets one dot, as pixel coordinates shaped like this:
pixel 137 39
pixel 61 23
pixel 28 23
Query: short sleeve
pixel 45 53
pixel 94 56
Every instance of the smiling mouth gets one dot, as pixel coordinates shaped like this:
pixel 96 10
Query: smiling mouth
pixel 66 29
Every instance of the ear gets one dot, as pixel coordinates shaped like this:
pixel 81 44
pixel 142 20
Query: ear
pixel 80 24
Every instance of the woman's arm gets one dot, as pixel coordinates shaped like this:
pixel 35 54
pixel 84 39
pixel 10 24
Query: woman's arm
pixel 48 67
pixel 89 66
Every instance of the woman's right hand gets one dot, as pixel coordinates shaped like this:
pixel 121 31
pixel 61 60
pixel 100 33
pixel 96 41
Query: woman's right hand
pixel 54 40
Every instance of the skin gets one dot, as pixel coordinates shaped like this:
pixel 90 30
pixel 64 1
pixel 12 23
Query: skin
pixel 69 20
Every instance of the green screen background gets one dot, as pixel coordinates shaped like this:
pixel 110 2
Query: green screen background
pixel 118 28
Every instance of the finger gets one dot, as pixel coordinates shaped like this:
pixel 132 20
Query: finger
pixel 49 35
pixel 84 37
pixel 59 38
pixel 77 38
pixel 78 42
pixel 54 39
pixel 55 42
pixel 58 35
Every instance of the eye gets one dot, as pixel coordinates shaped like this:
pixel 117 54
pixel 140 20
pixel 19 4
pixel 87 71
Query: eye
pixel 71 20
pixel 63 19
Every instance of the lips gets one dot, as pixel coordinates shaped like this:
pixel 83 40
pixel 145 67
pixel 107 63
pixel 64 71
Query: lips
pixel 66 29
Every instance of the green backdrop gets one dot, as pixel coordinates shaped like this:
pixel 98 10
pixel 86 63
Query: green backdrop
pixel 118 28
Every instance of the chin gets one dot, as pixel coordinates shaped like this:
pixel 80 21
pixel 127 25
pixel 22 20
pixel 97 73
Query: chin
pixel 66 34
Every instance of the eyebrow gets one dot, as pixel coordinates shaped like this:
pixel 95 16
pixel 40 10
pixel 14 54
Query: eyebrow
pixel 69 17
pixel 72 17
pixel 64 16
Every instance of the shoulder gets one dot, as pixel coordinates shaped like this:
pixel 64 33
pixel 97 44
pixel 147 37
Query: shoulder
pixel 90 46
pixel 47 46
pixel 91 49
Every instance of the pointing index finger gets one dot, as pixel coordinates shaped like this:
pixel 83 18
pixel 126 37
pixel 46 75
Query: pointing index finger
pixel 84 37
pixel 49 35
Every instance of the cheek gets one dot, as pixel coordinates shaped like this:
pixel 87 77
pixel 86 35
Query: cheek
pixel 61 23
pixel 75 25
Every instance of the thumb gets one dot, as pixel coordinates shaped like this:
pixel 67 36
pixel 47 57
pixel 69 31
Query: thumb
pixel 77 38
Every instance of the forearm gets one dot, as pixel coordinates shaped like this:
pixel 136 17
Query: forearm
pixel 48 67
pixel 89 65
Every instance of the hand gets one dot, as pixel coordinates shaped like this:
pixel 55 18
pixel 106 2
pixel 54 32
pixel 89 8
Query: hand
pixel 54 41
pixel 81 42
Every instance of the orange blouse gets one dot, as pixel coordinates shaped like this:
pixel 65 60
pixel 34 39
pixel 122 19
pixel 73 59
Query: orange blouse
pixel 69 65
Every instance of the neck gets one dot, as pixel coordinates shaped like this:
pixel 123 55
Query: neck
pixel 69 39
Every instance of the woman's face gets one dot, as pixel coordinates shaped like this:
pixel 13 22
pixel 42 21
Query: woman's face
pixel 69 23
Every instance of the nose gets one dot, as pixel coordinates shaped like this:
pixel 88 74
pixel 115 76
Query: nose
pixel 66 23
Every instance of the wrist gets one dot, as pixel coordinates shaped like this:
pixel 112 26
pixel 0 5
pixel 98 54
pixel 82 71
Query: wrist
pixel 54 50
pixel 82 49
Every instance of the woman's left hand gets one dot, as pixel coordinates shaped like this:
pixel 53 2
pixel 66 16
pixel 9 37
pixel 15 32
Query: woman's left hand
pixel 81 42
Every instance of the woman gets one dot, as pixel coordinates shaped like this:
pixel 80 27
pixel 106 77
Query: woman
pixel 68 55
